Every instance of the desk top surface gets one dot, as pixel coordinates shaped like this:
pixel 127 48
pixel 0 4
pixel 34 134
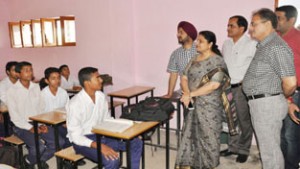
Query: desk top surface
pixel 52 118
pixel 131 91
pixel 133 131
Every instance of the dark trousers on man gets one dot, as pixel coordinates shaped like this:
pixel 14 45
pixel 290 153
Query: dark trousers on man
pixel 117 145
pixel 46 143
pixel 290 138
pixel 241 143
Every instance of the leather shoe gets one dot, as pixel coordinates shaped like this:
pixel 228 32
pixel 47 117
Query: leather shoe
pixel 241 158
pixel 226 152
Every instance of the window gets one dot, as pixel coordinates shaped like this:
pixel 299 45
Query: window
pixel 15 35
pixel 44 32
pixel 36 33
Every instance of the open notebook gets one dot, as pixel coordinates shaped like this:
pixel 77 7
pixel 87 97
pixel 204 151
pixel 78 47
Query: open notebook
pixel 115 125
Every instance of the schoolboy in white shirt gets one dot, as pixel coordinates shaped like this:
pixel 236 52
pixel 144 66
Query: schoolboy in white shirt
pixel 87 109
pixel 10 80
pixel 68 81
pixel 55 97
pixel 24 100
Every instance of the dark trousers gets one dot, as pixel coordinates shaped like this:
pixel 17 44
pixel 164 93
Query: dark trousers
pixel 46 142
pixel 290 139
pixel 241 143
pixel 91 153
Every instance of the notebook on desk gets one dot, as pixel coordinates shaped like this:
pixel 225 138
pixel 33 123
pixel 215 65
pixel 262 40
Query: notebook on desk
pixel 115 125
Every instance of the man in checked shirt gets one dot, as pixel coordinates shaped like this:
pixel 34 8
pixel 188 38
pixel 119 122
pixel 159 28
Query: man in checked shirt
pixel 269 79
pixel 186 35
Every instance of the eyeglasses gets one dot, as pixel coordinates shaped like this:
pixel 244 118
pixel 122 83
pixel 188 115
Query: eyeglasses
pixel 253 24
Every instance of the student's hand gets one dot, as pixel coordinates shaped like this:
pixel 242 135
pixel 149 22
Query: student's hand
pixel 109 153
pixel 43 128
pixel 77 88
pixel 32 130
pixel 293 108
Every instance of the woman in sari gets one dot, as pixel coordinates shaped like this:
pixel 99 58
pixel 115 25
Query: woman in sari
pixel 200 144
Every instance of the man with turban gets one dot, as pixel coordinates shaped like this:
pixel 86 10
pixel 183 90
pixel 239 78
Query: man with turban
pixel 186 34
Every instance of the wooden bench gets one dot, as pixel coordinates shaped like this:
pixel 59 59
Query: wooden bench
pixel 16 141
pixel 69 155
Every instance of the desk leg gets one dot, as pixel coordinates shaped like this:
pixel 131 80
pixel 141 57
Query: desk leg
pixel 112 109
pixel 167 144
pixel 136 99
pixel 128 154
pixel 178 122
pixel 128 101
pixel 57 148
pixel 6 123
pixel 98 137
pixel 152 93
pixel 143 153
pixel 37 146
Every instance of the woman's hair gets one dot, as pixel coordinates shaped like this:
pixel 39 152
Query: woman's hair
pixel 211 38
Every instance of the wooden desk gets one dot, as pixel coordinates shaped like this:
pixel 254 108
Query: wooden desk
pixel 129 93
pixel 53 119
pixel 4 112
pixel 134 131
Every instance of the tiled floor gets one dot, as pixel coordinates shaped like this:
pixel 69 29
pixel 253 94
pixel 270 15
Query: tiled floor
pixel 157 159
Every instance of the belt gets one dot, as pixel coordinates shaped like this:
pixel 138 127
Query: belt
pixel 236 85
pixel 252 97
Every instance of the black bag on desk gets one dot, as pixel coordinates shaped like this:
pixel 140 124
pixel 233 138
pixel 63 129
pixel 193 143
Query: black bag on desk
pixel 150 109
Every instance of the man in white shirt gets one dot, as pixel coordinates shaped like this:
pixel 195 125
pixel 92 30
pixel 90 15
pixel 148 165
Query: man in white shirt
pixel 55 97
pixel 87 109
pixel 238 52
pixel 6 83
pixel 67 81
pixel 24 100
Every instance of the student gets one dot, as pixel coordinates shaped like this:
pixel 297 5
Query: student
pixel 67 81
pixel 55 97
pixel 24 100
pixel 6 83
pixel 87 109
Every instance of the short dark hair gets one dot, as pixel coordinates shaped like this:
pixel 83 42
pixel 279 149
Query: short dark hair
pixel 268 15
pixel 289 10
pixel 9 65
pixel 62 66
pixel 241 21
pixel 50 70
pixel 20 65
pixel 85 74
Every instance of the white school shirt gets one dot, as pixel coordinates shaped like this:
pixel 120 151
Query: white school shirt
pixel 83 115
pixel 54 102
pixel 68 84
pixel 23 103
pixel 238 57
pixel 5 84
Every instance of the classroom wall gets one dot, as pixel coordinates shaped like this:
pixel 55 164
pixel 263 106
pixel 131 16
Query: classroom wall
pixel 131 40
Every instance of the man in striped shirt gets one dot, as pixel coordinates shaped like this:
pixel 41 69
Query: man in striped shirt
pixel 269 79
pixel 186 35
